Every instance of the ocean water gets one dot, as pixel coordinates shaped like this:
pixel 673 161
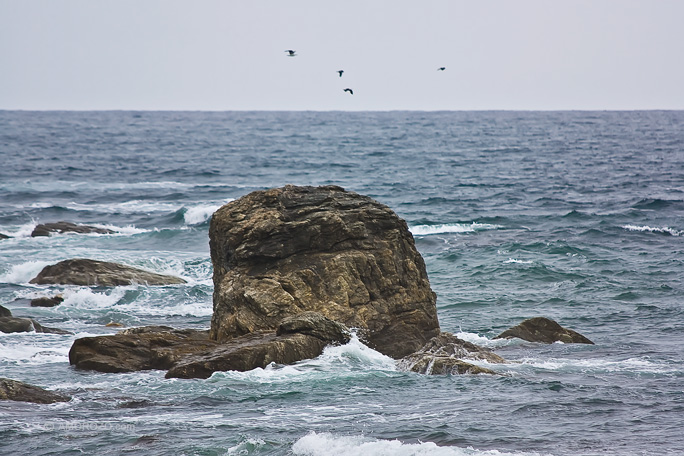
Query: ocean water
pixel 576 216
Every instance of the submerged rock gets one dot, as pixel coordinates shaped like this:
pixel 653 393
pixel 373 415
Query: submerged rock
pixel 300 337
pixel 13 390
pixel 279 252
pixel 17 324
pixel 46 301
pixel 5 312
pixel 45 229
pixel 85 272
pixel 4 236
pixel 445 354
pixel 145 348
pixel 545 330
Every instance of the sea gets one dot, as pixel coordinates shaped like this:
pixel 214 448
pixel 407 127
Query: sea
pixel 573 216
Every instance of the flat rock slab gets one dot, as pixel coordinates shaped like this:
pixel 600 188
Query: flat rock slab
pixel 85 272
pixel 131 350
pixel 544 330
pixel 13 390
pixel 17 324
pixel 45 229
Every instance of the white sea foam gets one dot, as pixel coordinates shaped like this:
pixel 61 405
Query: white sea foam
pixel 327 444
pixel 516 261
pixel 22 273
pixel 200 214
pixel 649 229
pixel 351 357
pixel 633 365
pixel 482 341
pixel 426 230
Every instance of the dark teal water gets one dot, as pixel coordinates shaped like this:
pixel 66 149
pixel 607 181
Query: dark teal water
pixel 576 216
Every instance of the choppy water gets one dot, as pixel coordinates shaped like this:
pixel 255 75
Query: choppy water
pixel 576 216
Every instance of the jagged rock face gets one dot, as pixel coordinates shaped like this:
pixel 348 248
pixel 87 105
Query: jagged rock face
pixel 540 329
pixel 85 272
pixel 280 252
pixel 445 354
pixel 13 390
pixel 45 229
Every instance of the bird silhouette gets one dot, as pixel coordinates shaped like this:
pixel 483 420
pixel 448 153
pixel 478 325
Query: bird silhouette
pixel 441 68
pixel 290 53
pixel 349 90
pixel 340 71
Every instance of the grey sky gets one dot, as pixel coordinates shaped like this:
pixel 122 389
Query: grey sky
pixel 229 55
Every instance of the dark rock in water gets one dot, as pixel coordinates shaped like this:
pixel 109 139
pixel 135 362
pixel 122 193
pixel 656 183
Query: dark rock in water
pixel 445 354
pixel 13 390
pixel 150 347
pixel 16 324
pixel 279 252
pixel 300 337
pixel 86 272
pixel 5 312
pixel 46 301
pixel 540 329
pixel 45 229
pixel 4 236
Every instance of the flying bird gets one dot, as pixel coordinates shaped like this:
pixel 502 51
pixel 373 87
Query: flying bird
pixel 290 53
pixel 340 71
pixel 441 68
pixel 349 90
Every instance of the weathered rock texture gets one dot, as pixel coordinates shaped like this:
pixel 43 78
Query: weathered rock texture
pixel 85 272
pixel 279 252
pixel 191 354
pixel 46 301
pixel 446 354
pixel 45 229
pixel 150 347
pixel 540 329
pixel 17 324
pixel 300 337
pixel 13 390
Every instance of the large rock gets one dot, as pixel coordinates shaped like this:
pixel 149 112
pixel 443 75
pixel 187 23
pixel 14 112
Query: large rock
pixel 280 252
pixel 150 347
pixel 540 329
pixel 13 390
pixel 46 301
pixel 45 229
pixel 17 324
pixel 300 337
pixel 85 272
pixel 446 354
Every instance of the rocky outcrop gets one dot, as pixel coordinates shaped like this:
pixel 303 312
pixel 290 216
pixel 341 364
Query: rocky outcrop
pixel 279 252
pixel 46 301
pixel 45 229
pixel 446 354
pixel 87 272
pixel 190 353
pixel 540 329
pixel 13 390
pixel 300 337
pixel 3 236
pixel 150 347
pixel 5 312
pixel 17 324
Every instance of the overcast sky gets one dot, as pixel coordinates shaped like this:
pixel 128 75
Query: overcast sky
pixel 230 54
